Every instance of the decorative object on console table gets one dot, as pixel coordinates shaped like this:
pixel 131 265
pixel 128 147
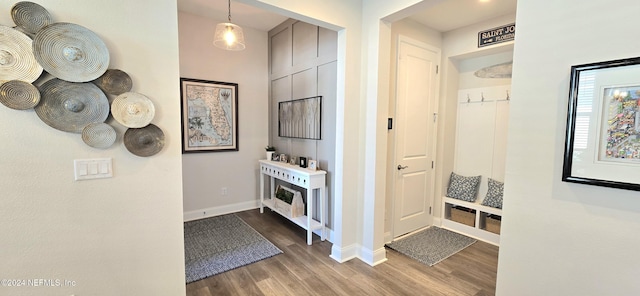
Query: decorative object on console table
pixel 270 150
pixel 209 115
pixel 313 165
pixel 292 160
pixel 288 202
pixel 283 158
pixel 605 152
pixel 303 162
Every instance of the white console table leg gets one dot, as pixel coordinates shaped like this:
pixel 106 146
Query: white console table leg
pixel 261 192
pixel 309 215
pixel 323 212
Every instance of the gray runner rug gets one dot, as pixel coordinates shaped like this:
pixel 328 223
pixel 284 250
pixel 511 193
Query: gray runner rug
pixel 218 244
pixel 431 245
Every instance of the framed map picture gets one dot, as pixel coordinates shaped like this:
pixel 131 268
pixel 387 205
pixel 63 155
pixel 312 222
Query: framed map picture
pixel 209 115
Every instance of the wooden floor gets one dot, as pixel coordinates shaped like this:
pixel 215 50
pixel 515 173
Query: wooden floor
pixel 308 270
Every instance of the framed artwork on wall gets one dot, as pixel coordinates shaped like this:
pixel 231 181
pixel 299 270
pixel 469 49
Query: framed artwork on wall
pixel 300 118
pixel 209 115
pixel 602 144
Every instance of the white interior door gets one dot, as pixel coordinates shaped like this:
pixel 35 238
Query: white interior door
pixel 415 136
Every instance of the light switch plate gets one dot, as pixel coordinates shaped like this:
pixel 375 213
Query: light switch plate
pixel 94 168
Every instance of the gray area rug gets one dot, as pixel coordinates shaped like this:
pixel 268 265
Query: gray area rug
pixel 215 245
pixel 431 245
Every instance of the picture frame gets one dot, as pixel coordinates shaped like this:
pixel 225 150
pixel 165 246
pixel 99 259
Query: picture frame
pixel 209 115
pixel 303 161
pixel 313 165
pixel 301 118
pixel 602 143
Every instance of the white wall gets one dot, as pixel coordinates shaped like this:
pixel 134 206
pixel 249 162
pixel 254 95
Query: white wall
pixel 205 174
pixel 560 238
pixel 116 236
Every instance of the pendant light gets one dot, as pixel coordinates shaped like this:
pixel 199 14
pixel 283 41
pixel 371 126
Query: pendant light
pixel 229 36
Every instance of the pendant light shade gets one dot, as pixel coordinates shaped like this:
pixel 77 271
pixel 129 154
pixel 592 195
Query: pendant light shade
pixel 229 36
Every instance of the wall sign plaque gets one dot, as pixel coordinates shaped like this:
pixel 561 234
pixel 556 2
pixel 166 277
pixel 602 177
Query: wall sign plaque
pixel 497 35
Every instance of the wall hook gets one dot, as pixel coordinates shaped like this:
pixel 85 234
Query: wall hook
pixel 482 94
pixel 468 99
pixel 508 95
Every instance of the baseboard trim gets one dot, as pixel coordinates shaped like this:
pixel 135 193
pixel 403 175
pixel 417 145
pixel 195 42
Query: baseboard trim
pixel 344 254
pixel 373 258
pixel 221 210
pixel 437 222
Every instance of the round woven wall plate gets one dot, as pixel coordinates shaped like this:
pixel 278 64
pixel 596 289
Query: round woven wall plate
pixel 19 95
pixel 99 135
pixel 17 61
pixel 132 110
pixel 144 142
pixel 70 106
pixel 31 17
pixel 71 52
pixel 114 82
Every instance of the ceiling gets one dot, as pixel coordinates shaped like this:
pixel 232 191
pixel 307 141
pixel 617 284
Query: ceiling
pixel 443 17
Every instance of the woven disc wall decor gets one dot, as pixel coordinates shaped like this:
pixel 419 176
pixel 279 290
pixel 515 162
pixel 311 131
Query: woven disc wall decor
pixel 99 135
pixel 132 110
pixel 114 82
pixel 71 52
pixel 19 95
pixel 146 141
pixel 70 106
pixel 17 61
pixel 31 17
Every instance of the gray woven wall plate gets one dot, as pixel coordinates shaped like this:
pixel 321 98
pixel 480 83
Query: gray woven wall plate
pixel 71 52
pixel 31 17
pixel 133 110
pixel 114 82
pixel 19 95
pixel 70 106
pixel 144 142
pixel 99 135
pixel 17 61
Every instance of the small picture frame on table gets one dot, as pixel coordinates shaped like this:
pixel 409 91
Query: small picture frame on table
pixel 283 158
pixel 292 160
pixel 313 165
pixel 303 162
pixel 275 157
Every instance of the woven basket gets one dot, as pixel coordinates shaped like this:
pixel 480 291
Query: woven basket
pixel 464 217
pixel 493 225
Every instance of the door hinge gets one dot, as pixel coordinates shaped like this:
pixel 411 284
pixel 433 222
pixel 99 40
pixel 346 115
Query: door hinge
pixel 429 210
pixel 435 117
pixel 437 68
pixel 432 164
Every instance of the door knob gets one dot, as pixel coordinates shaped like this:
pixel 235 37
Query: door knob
pixel 402 167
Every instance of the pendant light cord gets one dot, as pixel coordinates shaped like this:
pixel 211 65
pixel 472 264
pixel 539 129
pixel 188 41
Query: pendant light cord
pixel 229 10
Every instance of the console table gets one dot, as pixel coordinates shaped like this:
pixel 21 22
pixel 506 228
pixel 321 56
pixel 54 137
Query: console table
pixel 310 180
